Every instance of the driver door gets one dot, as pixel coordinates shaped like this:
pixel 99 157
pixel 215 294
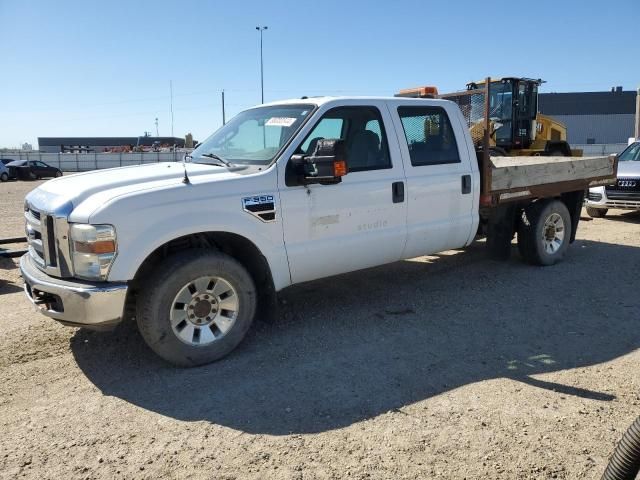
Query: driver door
pixel 359 222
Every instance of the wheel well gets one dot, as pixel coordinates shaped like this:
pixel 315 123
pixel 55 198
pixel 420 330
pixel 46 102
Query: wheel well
pixel 557 146
pixel 236 246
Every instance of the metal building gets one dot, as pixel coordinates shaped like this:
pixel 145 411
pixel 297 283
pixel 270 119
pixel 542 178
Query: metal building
pixel 593 117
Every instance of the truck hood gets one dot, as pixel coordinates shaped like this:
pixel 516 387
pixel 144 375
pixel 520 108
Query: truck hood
pixel 629 168
pixel 85 192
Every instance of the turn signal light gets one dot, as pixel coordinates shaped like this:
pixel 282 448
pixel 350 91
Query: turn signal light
pixel 339 168
pixel 99 247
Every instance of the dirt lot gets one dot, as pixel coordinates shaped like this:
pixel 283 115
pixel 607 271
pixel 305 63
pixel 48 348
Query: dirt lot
pixel 451 366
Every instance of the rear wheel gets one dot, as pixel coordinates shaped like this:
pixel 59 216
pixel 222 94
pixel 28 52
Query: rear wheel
pixel 4 177
pixel 196 307
pixel 544 232
pixel 597 212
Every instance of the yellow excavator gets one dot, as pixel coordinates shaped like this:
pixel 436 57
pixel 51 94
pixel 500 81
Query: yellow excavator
pixel 509 107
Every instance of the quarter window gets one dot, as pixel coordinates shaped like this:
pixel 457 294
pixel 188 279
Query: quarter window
pixel 429 136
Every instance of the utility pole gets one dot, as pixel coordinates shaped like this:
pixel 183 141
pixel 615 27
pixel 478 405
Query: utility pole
pixel 261 29
pixel 157 134
pixel 637 131
pixel 223 117
pixel 171 104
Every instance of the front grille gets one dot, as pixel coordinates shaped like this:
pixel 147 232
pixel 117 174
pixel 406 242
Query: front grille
pixel 33 231
pixel 34 213
pixel 47 236
pixel 51 242
pixel 625 184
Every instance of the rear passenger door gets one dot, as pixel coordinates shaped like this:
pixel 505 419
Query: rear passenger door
pixel 440 179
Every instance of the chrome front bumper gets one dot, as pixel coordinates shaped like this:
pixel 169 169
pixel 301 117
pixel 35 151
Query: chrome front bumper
pixel 76 303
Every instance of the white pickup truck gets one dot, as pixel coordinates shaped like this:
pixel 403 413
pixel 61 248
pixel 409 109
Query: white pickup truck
pixel 284 193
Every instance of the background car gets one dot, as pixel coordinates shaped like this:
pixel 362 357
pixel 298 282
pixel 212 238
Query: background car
pixel 30 170
pixel 625 194
pixel 4 173
pixel 4 161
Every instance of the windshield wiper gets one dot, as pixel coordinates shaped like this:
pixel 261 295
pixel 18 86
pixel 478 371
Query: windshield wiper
pixel 217 157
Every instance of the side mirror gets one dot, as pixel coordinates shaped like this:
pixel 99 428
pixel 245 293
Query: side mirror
pixel 326 165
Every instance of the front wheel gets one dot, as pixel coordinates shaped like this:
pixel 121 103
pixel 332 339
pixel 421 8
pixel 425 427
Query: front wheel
pixel 58 174
pixel 4 177
pixel 597 212
pixel 196 307
pixel 544 232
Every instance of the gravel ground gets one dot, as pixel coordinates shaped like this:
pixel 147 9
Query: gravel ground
pixel 451 366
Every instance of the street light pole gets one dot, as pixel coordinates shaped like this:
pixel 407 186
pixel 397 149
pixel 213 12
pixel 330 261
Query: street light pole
pixel 261 29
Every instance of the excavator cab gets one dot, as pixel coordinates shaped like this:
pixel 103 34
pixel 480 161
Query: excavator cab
pixel 513 108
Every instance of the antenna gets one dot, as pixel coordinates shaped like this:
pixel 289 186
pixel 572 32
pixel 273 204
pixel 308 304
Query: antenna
pixel 185 179
pixel 223 116
pixel 157 135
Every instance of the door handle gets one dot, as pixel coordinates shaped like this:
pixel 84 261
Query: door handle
pixel 466 184
pixel 397 192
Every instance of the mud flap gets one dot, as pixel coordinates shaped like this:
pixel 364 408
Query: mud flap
pixel 500 231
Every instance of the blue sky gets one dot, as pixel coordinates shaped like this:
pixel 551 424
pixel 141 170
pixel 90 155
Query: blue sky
pixel 90 68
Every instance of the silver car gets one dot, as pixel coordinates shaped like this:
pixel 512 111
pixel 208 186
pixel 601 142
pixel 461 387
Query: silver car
pixel 625 194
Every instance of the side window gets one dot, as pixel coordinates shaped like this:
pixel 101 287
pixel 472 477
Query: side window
pixel 326 128
pixel 362 130
pixel 429 136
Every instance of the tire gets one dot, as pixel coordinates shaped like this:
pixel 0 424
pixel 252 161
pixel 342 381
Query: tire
pixel 209 331
pixel 544 232
pixel 4 177
pixel 597 212
pixel 58 174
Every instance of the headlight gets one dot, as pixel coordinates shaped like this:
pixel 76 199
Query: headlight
pixel 93 249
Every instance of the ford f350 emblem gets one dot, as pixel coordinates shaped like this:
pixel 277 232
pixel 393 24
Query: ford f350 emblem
pixel 260 206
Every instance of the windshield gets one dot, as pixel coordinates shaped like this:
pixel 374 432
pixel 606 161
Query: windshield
pixel 632 152
pixel 254 136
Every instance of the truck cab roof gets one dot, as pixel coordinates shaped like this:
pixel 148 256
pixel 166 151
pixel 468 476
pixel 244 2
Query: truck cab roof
pixel 322 100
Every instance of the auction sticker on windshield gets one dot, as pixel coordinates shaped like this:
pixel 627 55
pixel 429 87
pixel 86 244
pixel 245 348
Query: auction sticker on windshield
pixel 280 122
